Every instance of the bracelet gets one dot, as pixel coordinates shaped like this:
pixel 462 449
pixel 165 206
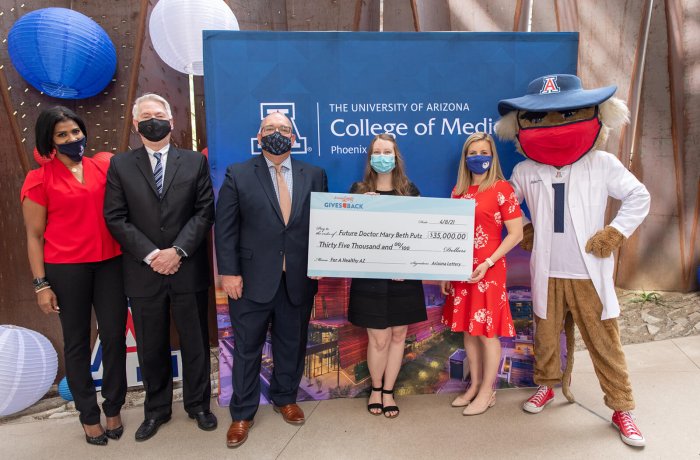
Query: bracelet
pixel 39 281
pixel 42 288
pixel 490 262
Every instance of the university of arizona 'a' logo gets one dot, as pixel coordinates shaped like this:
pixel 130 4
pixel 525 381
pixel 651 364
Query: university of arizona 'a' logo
pixel 287 108
pixel 550 86
pixel 133 369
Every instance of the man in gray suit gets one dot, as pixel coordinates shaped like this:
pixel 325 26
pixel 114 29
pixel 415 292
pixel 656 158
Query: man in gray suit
pixel 262 238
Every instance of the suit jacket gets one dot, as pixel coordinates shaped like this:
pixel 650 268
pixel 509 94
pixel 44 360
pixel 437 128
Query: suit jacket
pixel 141 221
pixel 251 238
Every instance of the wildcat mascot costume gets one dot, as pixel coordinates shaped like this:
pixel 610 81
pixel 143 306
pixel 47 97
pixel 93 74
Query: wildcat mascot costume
pixel 566 182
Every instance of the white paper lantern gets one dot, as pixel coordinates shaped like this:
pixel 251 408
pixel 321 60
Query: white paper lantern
pixel 28 366
pixel 176 30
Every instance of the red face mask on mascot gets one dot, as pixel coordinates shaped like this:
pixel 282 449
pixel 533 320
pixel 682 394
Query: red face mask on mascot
pixel 560 145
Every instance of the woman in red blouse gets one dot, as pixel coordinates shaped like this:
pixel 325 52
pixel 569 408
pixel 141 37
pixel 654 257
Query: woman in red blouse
pixel 479 307
pixel 77 264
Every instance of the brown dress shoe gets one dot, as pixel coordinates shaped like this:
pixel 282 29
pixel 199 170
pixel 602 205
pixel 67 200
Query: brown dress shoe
pixel 238 432
pixel 291 413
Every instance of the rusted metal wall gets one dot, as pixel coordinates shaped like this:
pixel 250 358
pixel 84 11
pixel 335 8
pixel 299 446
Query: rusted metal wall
pixel 433 15
pixel 492 16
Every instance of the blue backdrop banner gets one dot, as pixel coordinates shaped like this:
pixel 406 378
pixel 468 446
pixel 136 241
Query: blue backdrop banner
pixel 341 88
pixel 431 90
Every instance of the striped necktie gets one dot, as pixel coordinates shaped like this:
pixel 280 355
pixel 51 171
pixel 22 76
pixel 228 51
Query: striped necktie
pixel 158 173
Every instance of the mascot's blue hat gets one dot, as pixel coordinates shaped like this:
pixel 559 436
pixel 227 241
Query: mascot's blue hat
pixel 555 93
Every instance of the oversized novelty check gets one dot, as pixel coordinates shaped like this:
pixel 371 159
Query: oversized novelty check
pixel 396 237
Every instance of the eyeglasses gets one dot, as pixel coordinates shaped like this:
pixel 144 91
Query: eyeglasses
pixel 269 129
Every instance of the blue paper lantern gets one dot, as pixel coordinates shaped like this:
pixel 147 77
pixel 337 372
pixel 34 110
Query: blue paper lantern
pixel 64 390
pixel 62 52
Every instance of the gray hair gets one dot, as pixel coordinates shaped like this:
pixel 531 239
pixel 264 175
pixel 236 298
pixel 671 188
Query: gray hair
pixel 150 97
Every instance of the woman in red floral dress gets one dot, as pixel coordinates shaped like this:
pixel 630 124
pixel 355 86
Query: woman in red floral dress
pixel 479 307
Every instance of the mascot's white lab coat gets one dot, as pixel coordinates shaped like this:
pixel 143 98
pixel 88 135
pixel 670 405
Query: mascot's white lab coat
pixel 593 178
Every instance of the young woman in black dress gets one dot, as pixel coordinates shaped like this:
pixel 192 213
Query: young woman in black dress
pixel 385 306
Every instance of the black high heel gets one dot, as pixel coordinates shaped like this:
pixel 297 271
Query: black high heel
pixel 115 433
pixel 379 406
pixel 100 440
pixel 387 409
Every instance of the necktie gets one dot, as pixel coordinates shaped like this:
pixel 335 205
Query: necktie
pixel 285 203
pixel 285 199
pixel 158 173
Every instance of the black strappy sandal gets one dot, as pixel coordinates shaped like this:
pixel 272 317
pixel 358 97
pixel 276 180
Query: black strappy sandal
pixel 387 409
pixel 379 406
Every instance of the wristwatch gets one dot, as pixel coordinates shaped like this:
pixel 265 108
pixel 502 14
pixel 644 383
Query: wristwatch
pixel 180 252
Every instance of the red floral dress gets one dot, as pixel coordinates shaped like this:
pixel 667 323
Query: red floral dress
pixel 482 308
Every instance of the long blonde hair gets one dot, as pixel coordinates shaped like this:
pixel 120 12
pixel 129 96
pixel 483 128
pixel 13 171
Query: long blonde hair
pixel 399 181
pixel 464 176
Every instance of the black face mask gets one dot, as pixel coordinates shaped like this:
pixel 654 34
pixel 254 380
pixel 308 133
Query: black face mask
pixel 154 129
pixel 276 143
pixel 73 150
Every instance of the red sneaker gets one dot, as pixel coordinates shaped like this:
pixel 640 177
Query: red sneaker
pixel 543 396
pixel 629 433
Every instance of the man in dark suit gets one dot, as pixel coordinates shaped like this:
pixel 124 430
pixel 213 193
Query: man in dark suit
pixel 159 205
pixel 262 239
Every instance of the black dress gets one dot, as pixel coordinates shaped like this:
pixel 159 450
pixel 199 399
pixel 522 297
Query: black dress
pixel 380 303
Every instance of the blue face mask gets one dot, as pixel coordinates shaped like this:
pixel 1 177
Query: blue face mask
pixel 382 163
pixel 479 164
pixel 73 150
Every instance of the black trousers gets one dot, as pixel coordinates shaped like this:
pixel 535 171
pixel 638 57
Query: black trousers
pixel 79 288
pixel 152 324
pixel 290 326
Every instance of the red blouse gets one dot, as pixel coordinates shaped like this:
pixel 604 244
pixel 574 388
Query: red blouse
pixel 75 226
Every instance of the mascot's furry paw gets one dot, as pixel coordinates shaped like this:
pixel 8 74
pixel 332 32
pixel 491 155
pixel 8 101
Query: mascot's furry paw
pixel 528 237
pixel 604 242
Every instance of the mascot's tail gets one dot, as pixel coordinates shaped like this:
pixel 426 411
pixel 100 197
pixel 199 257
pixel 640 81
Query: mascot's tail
pixel 570 345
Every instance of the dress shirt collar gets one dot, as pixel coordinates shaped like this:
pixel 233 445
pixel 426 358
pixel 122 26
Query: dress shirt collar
pixel 163 151
pixel 287 163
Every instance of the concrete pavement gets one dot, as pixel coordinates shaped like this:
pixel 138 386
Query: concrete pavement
pixel 665 376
